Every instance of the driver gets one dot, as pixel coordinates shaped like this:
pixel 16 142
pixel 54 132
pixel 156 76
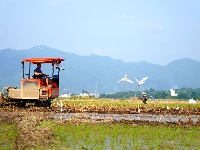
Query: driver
pixel 38 73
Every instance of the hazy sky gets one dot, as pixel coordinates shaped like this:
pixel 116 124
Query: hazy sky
pixel 156 31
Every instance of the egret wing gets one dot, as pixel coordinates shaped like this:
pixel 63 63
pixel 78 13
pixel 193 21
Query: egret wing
pixel 129 80
pixel 144 79
pixel 119 80
pixel 137 80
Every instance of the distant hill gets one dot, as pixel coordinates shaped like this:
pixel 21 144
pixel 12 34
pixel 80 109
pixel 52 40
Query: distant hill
pixel 101 73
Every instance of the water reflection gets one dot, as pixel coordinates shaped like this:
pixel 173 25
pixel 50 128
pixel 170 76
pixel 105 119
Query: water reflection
pixel 118 117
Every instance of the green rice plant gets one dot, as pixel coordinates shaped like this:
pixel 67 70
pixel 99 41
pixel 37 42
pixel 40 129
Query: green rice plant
pixel 48 124
pixel 8 136
pixel 122 136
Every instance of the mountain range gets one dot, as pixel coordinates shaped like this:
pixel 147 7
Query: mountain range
pixel 100 74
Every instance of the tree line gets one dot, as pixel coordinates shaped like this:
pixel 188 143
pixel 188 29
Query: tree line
pixel 183 93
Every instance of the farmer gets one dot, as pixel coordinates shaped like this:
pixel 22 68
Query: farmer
pixel 38 73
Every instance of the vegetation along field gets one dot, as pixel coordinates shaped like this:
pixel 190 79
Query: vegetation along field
pixel 37 127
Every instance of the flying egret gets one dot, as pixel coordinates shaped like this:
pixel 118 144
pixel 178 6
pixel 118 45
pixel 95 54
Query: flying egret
pixel 140 82
pixel 125 79
pixel 173 92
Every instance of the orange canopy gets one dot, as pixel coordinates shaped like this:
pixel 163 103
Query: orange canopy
pixel 43 60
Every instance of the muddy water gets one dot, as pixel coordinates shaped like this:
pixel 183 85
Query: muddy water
pixel 130 117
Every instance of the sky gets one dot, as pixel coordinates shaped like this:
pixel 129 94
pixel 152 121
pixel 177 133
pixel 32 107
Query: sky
pixel 155 31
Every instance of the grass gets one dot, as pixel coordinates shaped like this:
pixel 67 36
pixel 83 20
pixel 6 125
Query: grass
pixel 8 136
pixel 122 136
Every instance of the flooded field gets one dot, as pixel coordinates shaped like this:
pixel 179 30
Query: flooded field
pixel 83 125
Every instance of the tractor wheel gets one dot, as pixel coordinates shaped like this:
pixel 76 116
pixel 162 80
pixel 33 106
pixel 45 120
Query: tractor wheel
pixel 38 103
pixel 22 104
pixel 46 103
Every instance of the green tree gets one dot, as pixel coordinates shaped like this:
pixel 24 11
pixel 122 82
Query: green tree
pixel 84 91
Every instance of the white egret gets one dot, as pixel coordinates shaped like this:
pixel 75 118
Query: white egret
pixel 140 82
pixel 160 118
pixel 61 105
pixel 125 79
pixel 138 117
pixel 192 101
pixel 138 110
pixel 177 107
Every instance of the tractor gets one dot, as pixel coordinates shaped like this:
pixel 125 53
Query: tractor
pixel 34 90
